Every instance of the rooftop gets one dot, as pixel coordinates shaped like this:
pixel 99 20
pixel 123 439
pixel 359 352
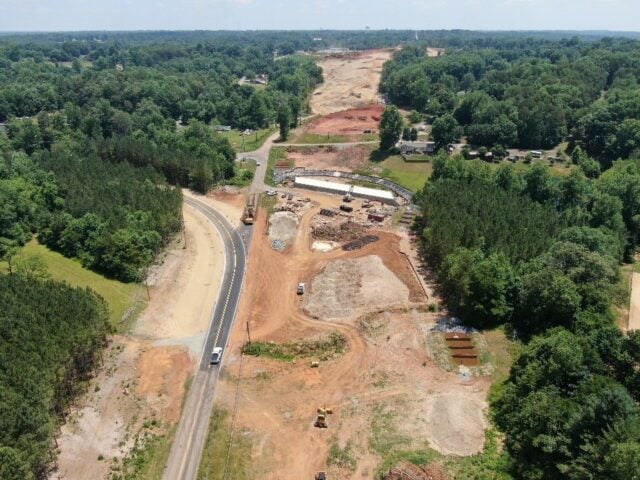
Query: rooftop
pixel 344 188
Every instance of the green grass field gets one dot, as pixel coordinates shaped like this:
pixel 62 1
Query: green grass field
pixel 316 138
pixel 120 297
pixel 247 143
pixel 217 450
pixel 275 155
pixel 411 175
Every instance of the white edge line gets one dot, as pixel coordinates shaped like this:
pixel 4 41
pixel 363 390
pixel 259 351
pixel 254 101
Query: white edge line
pixel 215 304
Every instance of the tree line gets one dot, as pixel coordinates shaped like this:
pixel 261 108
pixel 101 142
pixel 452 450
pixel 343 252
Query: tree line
pixel 540 254
pixel 533 93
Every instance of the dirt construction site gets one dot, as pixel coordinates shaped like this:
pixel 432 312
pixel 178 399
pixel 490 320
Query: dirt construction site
pixel 351 81
pixel 384 389
pixel 352 123
pixel 330 157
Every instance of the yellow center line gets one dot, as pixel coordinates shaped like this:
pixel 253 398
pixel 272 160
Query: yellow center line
pixel 187 450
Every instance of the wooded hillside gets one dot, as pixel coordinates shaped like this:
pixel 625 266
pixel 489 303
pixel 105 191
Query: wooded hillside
pixel 51 336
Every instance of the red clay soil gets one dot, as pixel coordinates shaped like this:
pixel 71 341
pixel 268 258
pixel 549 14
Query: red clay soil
pixel 330 157
pixel 348 122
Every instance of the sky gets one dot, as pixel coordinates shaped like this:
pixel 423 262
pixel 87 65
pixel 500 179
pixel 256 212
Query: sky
pixel 75 15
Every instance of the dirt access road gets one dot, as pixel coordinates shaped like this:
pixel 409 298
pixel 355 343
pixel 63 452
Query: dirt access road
pixel 145 372
pixel 634 310
pixel 349 81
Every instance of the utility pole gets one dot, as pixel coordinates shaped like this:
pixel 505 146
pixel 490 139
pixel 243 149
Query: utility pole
pixel 184 233
pixel 248 332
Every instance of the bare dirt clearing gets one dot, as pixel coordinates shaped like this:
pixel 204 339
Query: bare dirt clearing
pixel 229 201
pixel 455 424
pixel 179 313
pixel 349 81
pixel 351 124
pixel 330 157
pixel 145 373
pixel 99 423
pixel 634 310
pixel 162 376
pixel 379 407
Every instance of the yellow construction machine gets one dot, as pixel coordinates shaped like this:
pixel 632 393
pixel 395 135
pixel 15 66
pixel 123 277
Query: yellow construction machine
pixel 321 417
pixel 250 209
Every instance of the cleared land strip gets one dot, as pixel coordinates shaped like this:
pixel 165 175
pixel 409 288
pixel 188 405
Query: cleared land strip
pixel 634 310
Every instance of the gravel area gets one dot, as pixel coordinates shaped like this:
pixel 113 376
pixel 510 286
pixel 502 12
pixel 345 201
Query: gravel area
pixel 283 227
pixel 347 287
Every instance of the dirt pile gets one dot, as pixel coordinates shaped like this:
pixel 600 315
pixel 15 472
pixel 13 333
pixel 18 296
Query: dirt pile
pixel 359 243
pixel 320 246
pixel 283 227
pixel 346 287
pixel 344 232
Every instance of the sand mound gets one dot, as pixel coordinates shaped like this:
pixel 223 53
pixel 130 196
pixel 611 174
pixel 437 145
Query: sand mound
pixel 346 287
pixel 455 425
pixel 283 226
pixel 324 247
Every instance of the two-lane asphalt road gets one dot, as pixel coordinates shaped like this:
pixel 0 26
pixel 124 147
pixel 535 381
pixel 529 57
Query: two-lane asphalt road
pixel 188 444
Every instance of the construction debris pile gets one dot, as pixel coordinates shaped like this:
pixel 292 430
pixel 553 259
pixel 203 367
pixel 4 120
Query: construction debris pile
pixel 360 242
pixel 294 206
pixel 344 232
pixel 328 212
pixel 283 227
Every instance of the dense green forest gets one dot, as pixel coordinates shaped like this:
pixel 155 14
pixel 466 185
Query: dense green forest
pixel 106 128
pixel 528 93
pixel 539 253
pixel 51 336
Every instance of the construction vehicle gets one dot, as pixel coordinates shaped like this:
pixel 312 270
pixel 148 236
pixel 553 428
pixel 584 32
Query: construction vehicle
pixel 346 208
pixel 250 209
pixel 321 476
pixel 301 288
pixel 349 196
pixel 321 417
